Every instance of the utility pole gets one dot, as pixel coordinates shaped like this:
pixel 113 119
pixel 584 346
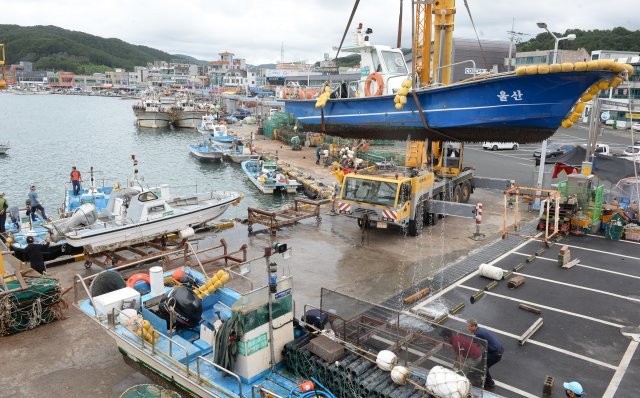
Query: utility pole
pixel 514 38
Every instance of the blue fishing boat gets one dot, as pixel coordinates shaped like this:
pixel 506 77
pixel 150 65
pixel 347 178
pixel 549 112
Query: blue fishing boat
pixel 267 178
pixel 210 128
pixel 239 152
pixel 207 150
pixel 524 106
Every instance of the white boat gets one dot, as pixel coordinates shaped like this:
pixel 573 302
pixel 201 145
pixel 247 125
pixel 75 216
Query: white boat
pixel 267 178
pixel 218 132
pixel 239 153
pixel 4 147
pixel 135 215
pixel 151 113
pixel 207 150
pixel 188 114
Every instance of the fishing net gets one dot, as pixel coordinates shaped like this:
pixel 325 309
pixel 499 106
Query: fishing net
pixel 25 309
pixel 279 121
pixel 149 391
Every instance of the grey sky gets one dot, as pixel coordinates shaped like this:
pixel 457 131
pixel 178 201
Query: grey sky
pixel 255 29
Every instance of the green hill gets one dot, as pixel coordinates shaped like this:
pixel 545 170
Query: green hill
pixel 619 38
pixel 53 48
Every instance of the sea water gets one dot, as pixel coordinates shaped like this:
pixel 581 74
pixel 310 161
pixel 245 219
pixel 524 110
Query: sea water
pixel 51 133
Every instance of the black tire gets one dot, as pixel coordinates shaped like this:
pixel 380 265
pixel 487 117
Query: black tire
pixel 515 147
pixel 430 219
pixel 457 195
pixel 465 189
pixel 494 148
pixel 416 224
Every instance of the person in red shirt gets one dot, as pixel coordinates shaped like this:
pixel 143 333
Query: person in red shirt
pixel 468 356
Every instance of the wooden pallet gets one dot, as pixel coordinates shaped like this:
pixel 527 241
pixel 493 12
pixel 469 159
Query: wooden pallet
pixel 280 218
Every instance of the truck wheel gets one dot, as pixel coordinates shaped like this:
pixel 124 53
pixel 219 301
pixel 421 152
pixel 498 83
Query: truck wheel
pixel 457 194
pixel 465 188
pixel 416 224
pixel 430 219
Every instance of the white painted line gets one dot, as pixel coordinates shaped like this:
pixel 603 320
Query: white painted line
pixel 466 278
pixel 514 389
pixel 622 369
pixel 602 251
pixel 621 240
pixel 504 154
pixel 546 307
pixel 635 300
pixel 538 343
pixel 583 266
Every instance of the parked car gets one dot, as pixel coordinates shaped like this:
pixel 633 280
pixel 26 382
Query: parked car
pixel 632 150
pixel 636 126
pixel 494 146
pixel 554 150
pixel 241 113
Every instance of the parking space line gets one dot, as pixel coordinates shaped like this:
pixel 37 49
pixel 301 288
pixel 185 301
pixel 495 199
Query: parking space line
pixel 582 266
pixel 602 251
pixel 514 389
pixel 635 300
pixel 622 240
pixel 502 154
pixel 541 344
pixel 622 369
pixel 471 275
pixel 546 307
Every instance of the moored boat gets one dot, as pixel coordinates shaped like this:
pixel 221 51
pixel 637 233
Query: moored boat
pixel 266 176
pixel 188 114
pixel 151 113
pixel 239 153
pixel 218 132
pixel 4 147
pixel 207 151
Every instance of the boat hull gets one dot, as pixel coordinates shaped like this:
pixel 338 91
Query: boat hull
pixel 103 238
pixel 505 108
pixel 153 119
pixel 188 119
pixel 205 155
pixel 239 158
pixel 267 188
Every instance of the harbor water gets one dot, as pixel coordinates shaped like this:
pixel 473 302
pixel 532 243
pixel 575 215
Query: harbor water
pixel 51 133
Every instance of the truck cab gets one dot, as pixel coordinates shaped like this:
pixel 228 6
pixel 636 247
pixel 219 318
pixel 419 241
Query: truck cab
pixel 382 198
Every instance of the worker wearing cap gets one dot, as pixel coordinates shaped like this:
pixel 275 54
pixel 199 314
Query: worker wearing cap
pixel 4 205
pixel 573 389
pixel 494 347
pixel 318 319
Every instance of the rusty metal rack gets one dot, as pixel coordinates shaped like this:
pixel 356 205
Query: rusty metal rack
pixel 548 197
pixel 164 250
pixel 302 208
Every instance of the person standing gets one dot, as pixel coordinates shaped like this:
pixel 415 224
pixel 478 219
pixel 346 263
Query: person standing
pixel 76 178
pixel 494 347
pixel 4 205
pixel 467 355
pixel 33 253
pixel 35 204
pixel 318 153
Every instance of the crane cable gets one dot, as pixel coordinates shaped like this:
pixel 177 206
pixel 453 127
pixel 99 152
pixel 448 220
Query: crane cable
pixel 484 57
pixel 346 30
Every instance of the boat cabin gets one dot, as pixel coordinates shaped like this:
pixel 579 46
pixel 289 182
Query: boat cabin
pixel 382 69
pixel 132 205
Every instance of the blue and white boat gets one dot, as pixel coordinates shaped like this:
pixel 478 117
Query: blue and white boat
pixel 217 132
pixel 522 107
pixel 267 178
pixel 207 150
pixel 239 153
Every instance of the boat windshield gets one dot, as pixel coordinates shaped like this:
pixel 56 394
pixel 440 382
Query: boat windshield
pixel 394 60
pixel 147 196
pixel 370 191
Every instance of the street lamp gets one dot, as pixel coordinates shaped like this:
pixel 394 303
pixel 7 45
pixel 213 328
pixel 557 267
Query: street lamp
pixel 543 25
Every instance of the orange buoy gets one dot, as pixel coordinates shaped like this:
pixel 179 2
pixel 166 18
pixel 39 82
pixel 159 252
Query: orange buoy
pixel 136 278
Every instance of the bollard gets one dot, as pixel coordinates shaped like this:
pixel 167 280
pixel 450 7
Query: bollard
pixel 491 285
pixel 478 235
pixel 519 267
pixel 476 296
pixel 457 308
pixel 441 319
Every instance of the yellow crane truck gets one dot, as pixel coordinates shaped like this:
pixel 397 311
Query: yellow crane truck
pixel 432 182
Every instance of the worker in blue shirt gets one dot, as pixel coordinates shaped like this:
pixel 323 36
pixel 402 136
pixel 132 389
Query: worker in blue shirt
pixel 494 347
pixel 35 204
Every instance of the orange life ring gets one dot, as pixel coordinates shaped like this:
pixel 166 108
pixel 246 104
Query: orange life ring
pixel 138 277
pixel 367 84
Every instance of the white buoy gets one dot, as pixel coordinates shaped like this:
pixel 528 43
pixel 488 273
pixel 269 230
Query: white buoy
pixel 157 281
pixel 386 360
pixel 446 383
pixel 399 375
pixel 491 272
pixel 186 233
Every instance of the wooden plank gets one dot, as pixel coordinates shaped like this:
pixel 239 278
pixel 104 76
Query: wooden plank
pixel 530 308
pixel 571 263
pixel 18 276
pixel 532 329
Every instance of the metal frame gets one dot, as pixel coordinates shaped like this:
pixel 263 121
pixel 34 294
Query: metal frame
pixel 548 195
pixel 276 219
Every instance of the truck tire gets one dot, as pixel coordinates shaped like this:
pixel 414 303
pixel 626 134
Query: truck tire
pixel 430 218
pixel 465 188
pixel 416 224
pixel 457 194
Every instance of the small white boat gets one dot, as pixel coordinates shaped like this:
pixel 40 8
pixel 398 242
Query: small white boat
pixel 239 153
pixel 267 178
pixel 207 150
pixel 218 132
pixel 4 147
pixel 151 113
pixel 135 215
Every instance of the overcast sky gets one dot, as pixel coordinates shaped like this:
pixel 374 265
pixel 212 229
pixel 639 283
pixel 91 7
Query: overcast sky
pixel 256 29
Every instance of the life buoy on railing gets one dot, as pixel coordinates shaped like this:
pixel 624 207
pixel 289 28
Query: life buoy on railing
pixel 367 84
pixel 133 279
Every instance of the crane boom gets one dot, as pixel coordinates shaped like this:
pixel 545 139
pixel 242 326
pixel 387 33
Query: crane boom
pixel 434 18
pixel 3 80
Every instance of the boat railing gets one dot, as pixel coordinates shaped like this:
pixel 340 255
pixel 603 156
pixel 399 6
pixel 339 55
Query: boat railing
pixel 262 392
pixel 221 369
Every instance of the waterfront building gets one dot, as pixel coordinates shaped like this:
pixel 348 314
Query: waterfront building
pixel 524 58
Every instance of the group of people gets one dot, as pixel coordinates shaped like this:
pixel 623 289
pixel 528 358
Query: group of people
pixel 468 355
